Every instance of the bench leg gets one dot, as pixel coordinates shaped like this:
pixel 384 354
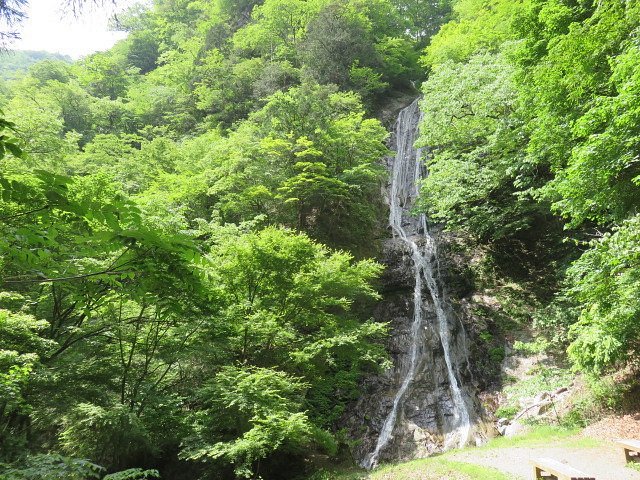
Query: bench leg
pixel 537 474
pixel 630 456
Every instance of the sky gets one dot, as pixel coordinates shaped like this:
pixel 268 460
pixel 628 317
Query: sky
pixel 49 28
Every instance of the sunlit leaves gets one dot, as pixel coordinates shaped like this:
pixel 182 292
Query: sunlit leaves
pixel 477 26
pixel 289 321
pixel 474 134
pixel 552 123
pixel 606 282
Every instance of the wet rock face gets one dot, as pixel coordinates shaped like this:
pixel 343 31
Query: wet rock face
pixel 425 416
pixel 426 403
pixel 398 273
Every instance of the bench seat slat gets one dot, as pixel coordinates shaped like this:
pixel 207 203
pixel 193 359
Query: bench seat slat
pixel 561 470
pixel 629 443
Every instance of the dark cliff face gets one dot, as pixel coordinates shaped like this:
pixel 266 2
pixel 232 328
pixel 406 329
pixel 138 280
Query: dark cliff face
pixel 423 420
pixel 428 415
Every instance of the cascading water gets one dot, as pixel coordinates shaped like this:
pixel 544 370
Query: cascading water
pixel 406 172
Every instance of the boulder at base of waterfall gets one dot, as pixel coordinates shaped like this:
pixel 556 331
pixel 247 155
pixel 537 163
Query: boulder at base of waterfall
pixel 515 428
pixel 502 424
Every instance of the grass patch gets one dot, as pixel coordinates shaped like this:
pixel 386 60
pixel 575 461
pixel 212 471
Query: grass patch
pixel 541 378
pixel 445 466
pixel 347 473
pixel 603 395
pixel 507 411
pixel 433 468
pixel 634 466
pixel 437 468
pixel 540 435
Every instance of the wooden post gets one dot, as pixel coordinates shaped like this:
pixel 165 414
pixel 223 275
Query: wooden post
pixel 537 473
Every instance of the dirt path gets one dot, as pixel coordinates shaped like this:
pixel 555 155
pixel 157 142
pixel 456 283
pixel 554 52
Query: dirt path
pixel 604 462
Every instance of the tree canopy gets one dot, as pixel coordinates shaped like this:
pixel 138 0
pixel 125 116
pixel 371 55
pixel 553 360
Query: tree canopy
pixel 531 114
pixel 188 220
pixel 185 221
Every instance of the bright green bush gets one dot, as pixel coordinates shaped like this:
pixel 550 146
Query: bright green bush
pixel 52 467
pixel 114 436
pixel 132 474
pixel 606 284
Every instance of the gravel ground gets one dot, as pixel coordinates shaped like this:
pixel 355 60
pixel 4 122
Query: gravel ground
pixel 612 428
pixel 604 463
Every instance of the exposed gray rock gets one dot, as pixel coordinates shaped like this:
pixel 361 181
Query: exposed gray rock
pixel 428 411
pixel 539 398
pixel 423 421
pixel 514 428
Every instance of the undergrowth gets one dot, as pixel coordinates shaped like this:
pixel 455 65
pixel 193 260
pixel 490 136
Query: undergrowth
pixel 541 378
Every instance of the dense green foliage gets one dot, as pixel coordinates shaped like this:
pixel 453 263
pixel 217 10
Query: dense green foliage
pixel 184 225
pixel 532 115
pixel 185 219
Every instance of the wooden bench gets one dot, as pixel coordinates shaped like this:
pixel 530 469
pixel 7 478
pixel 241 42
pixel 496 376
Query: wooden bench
pixel 550 469
pixel 631 449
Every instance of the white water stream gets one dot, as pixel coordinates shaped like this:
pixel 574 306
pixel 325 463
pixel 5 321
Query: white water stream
pixel 407 171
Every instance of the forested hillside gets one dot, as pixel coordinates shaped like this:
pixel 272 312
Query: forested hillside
pixel 189 221
pixel 177 215
pixel 531 112
pixel 16 63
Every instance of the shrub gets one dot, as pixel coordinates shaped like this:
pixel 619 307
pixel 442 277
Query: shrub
pixel 52 467
pixel 507 411
pixel 114 437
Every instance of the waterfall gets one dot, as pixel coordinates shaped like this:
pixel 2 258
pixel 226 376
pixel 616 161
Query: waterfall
pixel 407 170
